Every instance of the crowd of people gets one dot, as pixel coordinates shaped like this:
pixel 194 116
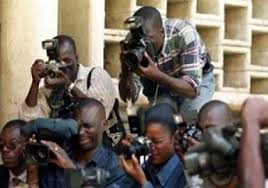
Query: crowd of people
pixel 177 79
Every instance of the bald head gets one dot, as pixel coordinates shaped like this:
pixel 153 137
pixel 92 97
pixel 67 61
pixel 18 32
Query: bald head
pixel 93 106
pixel 215 113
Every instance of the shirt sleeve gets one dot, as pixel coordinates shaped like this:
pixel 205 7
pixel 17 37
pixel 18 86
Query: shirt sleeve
pixel 190 57
pixel 102 88
pixel 42 109
pixel 148 185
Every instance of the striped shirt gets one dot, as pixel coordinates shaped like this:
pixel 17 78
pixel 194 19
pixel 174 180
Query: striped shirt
pixel 101 88
pixel 183 55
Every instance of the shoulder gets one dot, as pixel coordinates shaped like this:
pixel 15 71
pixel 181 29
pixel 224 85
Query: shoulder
pixel 4 174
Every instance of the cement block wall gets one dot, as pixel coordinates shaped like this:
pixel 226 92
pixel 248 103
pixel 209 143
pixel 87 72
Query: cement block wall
pixel 234 31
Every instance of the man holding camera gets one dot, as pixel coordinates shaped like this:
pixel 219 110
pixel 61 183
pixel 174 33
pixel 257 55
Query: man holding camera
pixel 174 65
pixel 90 153
pixel 15 172
pixel 66 81
pixel 214 114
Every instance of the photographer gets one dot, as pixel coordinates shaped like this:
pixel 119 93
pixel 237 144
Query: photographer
pixel 253 117
pixel 15 172
pixel 177 67
pixel 90 153
pixel 214 113
pixel 163 168
pixel 77 80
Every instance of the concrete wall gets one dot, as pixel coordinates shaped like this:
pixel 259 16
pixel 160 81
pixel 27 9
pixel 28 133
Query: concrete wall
pixel 235 32
pixel 24 24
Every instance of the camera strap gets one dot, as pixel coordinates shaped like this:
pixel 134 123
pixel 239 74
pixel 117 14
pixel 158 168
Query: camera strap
pixel 116 131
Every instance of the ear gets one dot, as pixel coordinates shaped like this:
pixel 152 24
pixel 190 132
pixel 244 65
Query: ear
pixel 105 124
pixel 162 30
pixel 76 57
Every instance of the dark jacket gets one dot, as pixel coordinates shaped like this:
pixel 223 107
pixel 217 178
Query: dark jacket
pixel 49 177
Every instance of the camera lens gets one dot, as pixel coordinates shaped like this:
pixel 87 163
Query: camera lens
pixel 40 153
pixel 135 57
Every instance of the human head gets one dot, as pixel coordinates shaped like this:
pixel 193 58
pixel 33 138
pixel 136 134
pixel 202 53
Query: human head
pixel 90 115
pixel 160 128
pixel 11 144
pixel 152 25
pixel 67 53
pixel 215 113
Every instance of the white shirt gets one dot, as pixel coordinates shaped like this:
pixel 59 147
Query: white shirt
pixel 22 177
pixel 101 88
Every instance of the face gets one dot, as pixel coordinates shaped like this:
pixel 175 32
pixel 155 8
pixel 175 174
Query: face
pixel 67 55
pixel 91 127
pixel 213 118
pixel 162 143
pixel 157 36
pixel 11 147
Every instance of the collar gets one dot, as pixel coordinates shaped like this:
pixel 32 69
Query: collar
pixel 82 72
pixel 22 176
pixel 163 51
pixel 167 170
pixel 97 159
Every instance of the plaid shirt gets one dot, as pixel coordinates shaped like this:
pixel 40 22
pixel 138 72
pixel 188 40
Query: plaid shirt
pixel 183 55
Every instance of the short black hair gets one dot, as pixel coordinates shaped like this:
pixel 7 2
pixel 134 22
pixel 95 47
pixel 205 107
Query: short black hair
pixel 15 123
pixel 211 105
pixel 151 16
pixel 66 39
pixel 161 113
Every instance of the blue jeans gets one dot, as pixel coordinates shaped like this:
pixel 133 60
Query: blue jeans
pixel 187 105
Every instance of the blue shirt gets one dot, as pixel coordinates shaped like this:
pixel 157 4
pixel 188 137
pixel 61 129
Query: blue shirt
pixel 106 159
pixel 169 175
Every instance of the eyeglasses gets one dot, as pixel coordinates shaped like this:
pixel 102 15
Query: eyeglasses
pixel 12 145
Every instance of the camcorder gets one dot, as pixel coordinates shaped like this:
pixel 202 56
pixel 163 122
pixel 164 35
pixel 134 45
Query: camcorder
pixel 136 44
pixel 61 131
pixel 60 102
pixel 53 65
pixel 217 155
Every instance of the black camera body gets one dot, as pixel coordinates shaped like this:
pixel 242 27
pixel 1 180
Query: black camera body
pixel 136 44
pixel 61 131
pixel 140 146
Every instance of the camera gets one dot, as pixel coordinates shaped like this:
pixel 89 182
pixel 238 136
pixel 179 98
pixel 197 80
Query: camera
pixel 53 65
pixel 140 146
pixel 61 131
pixel 92 177
pixel 137 44
pixel 217 155
pixel 188 127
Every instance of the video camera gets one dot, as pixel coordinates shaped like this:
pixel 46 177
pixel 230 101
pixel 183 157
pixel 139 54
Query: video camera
pixel 53 66
pixel 137 44
pixel 217 154
pixel 61 131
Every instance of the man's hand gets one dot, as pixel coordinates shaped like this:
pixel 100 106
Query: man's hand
pixel 61 80
pixel 61 158
pixel 38 70
pixel 151 71
pixel 179 135
pixel 133 168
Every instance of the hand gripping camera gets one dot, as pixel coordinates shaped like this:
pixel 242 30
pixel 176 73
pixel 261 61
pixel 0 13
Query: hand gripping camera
pixel 61 131
pixel 136 44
